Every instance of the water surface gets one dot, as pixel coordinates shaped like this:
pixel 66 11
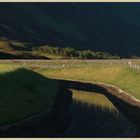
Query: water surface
pixel 95 116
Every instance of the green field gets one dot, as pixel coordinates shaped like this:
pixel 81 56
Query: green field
pixel 47 55
pixel 27 87
pixel 118 74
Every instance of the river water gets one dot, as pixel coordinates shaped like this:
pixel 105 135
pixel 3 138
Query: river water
pixel 95 116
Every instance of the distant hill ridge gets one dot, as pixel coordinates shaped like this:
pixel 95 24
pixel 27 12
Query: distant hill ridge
pixel 15 49
pixel 106 27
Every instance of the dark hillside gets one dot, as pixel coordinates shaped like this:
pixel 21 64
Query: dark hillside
pixel 108 27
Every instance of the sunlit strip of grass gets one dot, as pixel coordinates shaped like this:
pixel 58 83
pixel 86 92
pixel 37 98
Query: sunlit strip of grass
pixel 92 99
pixel 126 78
pixel 9 67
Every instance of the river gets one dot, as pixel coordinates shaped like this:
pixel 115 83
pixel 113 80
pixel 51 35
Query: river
pixel 95 116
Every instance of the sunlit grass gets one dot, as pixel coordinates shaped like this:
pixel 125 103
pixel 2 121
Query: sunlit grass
pixel 51 56
pixel 126 78
pixel 92 99
pixel 8 67
pixel 116 73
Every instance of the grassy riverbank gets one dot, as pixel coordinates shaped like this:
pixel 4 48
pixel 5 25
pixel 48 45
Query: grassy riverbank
pixel 124 77
pixel 96 113
pixel 24 93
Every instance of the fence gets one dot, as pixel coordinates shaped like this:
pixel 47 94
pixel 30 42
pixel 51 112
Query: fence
pixel 53 64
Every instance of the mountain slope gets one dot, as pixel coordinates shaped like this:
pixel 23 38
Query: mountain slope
pixel 109 27
pixel 13 49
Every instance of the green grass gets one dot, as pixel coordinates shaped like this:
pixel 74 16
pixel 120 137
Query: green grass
pixel 8 67
pixel 50 56
pixel 24 93
pixel 126 78
pixel 92 99
pixel 117 74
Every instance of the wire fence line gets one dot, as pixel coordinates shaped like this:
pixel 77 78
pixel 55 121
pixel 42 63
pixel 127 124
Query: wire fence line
pixel 134 66
pixel 60 64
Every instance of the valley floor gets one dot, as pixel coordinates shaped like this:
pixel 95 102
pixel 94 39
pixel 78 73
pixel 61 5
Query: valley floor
pixel 33 79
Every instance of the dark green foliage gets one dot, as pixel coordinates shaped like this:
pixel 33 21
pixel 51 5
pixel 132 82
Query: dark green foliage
pixel 70 52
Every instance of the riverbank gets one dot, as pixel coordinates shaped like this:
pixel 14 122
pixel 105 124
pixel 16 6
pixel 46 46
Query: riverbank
pixel 95 116
pixel 124 102
pixel 58 119
pixel 52 123
pixel 115 72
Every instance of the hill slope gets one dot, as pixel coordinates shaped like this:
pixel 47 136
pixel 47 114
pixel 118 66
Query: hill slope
pixel 109 27
pixel 12 49
pixel 20 100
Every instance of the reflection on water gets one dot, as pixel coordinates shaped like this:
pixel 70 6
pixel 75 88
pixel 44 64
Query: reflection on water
pixel 93 100
pixel 95 116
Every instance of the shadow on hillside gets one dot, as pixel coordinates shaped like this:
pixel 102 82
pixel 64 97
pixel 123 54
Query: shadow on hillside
pixel 4 55
pixel 27 92
pixel 58 119
pixel 21 79
pixel 25 55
